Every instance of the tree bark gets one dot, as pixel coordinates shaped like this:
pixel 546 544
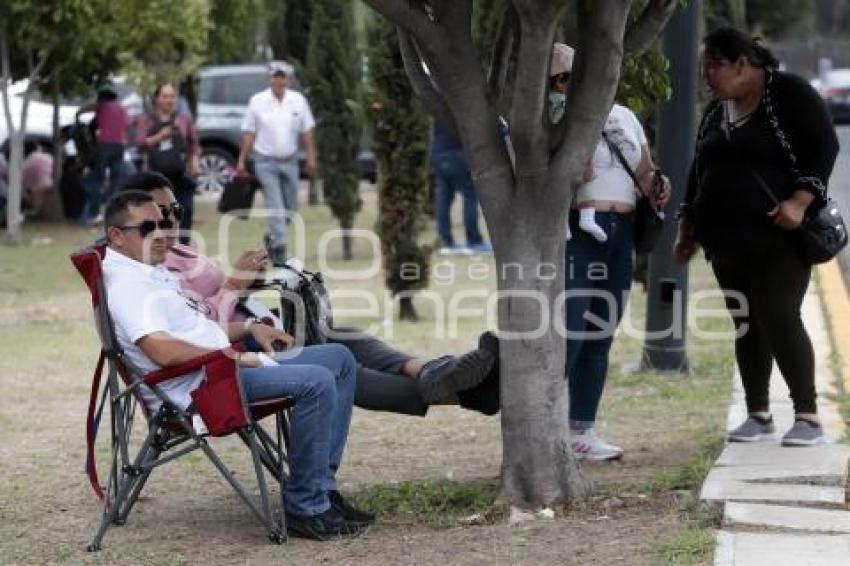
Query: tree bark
pixel 525 211
pixel 538 467
pixel 644 31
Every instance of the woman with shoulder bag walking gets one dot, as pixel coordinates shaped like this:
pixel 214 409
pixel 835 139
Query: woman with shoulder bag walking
pixel 764 153
pixel 169 141
pixel 600 253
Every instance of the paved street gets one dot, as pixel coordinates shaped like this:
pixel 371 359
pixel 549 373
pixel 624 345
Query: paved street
pixel 839 187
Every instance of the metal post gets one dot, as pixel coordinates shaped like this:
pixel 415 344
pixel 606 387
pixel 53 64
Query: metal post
pixel 666 314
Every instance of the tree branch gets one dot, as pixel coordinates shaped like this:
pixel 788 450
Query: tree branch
pixel 422 84
pixel 409 15
pixel 595 74
pixel 647 26
pixel 503 58
pixel 5 78
pixel 537 23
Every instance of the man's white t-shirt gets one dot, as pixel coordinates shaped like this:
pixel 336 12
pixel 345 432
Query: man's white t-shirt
pixel 144 299
pixel 278 123
pixel 612 182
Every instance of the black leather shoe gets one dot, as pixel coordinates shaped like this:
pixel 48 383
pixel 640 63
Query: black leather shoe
pixel 442 377
pixel 323 526
pixel 485 397
pixel 348 511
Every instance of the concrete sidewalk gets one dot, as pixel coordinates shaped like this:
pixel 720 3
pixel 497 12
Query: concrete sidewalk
pixel 788 506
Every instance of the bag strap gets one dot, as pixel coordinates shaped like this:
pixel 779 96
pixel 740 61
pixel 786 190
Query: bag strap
pixel 618 153
pixel 727 133
pixel 92 423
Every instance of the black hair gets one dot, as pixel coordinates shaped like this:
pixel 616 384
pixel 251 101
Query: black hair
pixel 731 44
pixel 106 94
pixel 146 182
pixel 119 205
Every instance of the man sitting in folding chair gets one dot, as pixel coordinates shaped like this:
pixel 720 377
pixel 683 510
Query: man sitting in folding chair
pixel 158 326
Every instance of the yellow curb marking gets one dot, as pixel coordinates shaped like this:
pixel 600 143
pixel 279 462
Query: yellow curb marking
pixel 836 305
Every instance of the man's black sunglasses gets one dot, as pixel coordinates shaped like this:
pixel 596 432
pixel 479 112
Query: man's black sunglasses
pixel 147 227
pixel 175 209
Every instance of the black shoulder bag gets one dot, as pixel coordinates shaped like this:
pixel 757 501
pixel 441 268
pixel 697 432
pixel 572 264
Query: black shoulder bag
pixel 823 233
pixel 649 222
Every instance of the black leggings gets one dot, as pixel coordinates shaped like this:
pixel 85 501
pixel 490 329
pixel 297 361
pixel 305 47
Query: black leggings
pixel 381 386
pixel 773 280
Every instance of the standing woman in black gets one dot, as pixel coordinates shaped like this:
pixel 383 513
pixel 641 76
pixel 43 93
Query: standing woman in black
pixel 763 127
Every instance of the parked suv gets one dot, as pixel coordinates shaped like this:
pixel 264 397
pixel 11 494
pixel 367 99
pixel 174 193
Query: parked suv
pixel 223 95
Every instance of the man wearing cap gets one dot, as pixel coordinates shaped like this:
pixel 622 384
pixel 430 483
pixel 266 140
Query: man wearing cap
pixel 275 121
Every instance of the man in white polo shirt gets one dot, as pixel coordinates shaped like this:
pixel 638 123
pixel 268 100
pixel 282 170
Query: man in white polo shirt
pixel 159 326
pixel 275 121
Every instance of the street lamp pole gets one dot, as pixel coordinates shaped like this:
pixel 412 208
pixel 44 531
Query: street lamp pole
pixel 665 346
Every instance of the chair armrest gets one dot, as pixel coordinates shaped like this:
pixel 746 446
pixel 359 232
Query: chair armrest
pixel 188 366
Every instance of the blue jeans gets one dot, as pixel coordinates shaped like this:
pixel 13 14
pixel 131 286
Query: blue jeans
pixel 280 192
pixel 452 175
pixel 107 157
pixel 598 280
pixel 321 379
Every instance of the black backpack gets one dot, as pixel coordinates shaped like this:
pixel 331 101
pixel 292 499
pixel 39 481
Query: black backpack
pixel 169 155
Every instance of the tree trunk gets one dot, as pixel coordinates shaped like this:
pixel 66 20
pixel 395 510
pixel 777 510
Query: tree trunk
pixel 407 310
pixel 53 202
pixel 14 218
pixel 538 467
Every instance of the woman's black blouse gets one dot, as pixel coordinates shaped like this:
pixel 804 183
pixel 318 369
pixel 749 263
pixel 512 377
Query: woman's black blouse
pixel 789 141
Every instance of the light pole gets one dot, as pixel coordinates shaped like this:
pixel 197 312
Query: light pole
pixel 665 347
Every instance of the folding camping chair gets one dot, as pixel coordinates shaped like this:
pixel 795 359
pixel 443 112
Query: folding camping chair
pixel 219 401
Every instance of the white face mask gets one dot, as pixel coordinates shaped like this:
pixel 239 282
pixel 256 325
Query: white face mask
pixel 557 106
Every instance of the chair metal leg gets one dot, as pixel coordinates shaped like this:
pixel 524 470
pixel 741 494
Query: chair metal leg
pixel 280 426
pixel 272 528
pixel 234 483
pixel 146 466
pixel 269 450
pixel 121 484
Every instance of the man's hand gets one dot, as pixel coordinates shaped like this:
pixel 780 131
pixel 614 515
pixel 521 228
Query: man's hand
pixel 310 166
pixel 266 336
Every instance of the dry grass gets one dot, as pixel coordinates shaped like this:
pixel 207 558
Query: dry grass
pixel 665 422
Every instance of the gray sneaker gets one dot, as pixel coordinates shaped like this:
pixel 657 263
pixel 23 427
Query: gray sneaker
pixel 803 433
pixel 752 430
pixel 442 377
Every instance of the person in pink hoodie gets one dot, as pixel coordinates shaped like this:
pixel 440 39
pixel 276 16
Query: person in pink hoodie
pixel 387 379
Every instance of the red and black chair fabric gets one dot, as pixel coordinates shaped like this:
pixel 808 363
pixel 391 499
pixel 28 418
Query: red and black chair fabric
pixel 171 432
